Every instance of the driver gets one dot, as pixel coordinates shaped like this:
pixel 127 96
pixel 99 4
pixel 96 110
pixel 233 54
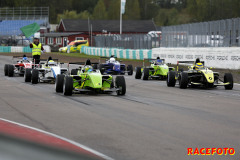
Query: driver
pixel 50 61
pixel 158 61
pixel 88 68
pixel 198 64
pixel 112 59
pixel 24 58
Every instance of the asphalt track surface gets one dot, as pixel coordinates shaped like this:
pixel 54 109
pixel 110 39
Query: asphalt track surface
pixel 151 122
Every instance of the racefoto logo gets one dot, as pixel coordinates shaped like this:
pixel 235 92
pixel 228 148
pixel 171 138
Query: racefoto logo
pixel 210 151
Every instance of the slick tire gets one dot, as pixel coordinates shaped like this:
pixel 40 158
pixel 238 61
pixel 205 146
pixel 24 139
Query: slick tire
pixel 35 76
pixel 171 80
pixel 59 83
pixel 27 75
pixel 121 84
pixel 68 86
pixel 10 70
pixel 145 73
pixel 228 78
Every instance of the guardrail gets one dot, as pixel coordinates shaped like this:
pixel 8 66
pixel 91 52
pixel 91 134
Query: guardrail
pixel 120 53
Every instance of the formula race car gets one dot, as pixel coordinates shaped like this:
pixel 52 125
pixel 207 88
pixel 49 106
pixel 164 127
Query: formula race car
pixel 112 66
pixel 86 79
pixel 74 46
pixel 198 75
pixel 18 68
pixel 157 70
pixel 46 72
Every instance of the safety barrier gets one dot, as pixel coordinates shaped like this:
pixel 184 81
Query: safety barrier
pixel 20 49
pixel 120 53
pixel 220 57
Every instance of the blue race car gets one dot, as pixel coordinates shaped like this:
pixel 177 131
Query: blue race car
pixel 112 66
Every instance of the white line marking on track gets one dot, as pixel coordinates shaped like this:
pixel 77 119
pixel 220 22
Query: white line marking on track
pixel 62 138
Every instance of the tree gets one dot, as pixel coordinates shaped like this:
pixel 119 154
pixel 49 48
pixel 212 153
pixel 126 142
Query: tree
pixel 132 10
pixel 114 9
pixel 68 15
pixel 99 11
pixel 84 15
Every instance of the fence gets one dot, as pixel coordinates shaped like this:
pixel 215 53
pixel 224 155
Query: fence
pixel 128 41
pixel 222 33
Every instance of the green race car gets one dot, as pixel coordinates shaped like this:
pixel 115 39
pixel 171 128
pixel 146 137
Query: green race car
pixel 198 76
pixel 87 79
pixel 157 70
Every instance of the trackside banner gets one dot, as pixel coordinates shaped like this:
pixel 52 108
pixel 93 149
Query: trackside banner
pixel 227 58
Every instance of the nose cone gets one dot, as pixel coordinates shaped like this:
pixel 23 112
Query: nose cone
pixel 96 80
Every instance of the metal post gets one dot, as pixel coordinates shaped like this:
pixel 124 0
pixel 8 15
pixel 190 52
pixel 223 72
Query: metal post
pixel 120 17
pixel 91 34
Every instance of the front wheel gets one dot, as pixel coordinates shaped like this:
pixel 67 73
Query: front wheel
pixel 145 73
pixel 228 78
pixel 68 86
pixel 121 85
pixel 171 80
pixel 59 83
pixel 35 76
pixel 28 75
pixel 6 69
pixel 183 81
pixel 10 70
pixel 130 70
pixel 138 74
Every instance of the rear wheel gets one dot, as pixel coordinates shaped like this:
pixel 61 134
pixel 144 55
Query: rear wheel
pixel 145 73
pixel 10 70
pixel 183 81
pixel 68 86
pixel 228 78
pixel 59 83
pixel 35 76
pixel 121 85
pixel 130 69
pixel 171 80
pixel 6 69
pixel 138 73
pixel 74 72
pixel 28 75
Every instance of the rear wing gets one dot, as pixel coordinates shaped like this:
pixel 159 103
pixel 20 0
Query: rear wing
pixel 21 56
pixel 188 63
pixel 106 58
pixel 148 59
pixel 82 63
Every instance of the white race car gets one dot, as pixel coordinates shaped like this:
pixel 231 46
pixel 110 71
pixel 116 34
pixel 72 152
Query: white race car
pixel 46 72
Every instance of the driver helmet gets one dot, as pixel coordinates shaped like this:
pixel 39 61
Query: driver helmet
pixel 25 58
pixel 112 60
pixel 199 65
pixel 51 62
pixel 88 68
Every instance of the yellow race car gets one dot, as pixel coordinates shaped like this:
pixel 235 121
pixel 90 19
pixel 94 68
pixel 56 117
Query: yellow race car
pixel 199 75
pixel 74 46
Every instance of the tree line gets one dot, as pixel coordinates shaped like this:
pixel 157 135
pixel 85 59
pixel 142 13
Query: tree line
pixel 163 12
